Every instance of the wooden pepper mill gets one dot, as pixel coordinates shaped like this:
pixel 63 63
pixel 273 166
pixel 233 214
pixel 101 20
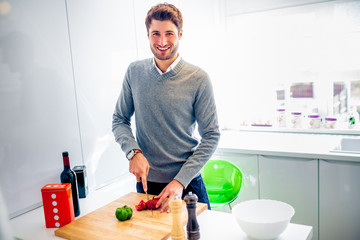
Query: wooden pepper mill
pixel 192 228
pixel 177 231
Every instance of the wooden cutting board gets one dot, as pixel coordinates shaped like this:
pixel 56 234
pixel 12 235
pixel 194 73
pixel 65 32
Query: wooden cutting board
pixel 102 223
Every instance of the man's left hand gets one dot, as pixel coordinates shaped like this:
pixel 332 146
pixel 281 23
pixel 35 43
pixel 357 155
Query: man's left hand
pixel 174 188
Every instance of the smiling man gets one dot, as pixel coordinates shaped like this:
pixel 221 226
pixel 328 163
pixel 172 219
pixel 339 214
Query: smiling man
pixel 169 97
pixel 164 41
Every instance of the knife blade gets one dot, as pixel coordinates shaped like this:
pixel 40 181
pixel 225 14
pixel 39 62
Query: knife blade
pixel 147 196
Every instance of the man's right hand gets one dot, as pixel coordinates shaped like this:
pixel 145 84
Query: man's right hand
pixel 139 166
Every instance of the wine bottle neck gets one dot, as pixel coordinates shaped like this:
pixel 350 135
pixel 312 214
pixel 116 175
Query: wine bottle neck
pixel 66 162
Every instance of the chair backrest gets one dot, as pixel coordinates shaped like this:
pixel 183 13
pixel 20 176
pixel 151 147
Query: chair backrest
pixel 223 181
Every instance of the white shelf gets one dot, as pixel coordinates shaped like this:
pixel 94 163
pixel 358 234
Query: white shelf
pixel 355 131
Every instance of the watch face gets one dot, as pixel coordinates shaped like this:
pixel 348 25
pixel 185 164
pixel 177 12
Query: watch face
pixel 130 154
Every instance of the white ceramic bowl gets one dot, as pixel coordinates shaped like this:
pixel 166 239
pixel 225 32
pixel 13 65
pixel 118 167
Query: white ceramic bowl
pixel 263 218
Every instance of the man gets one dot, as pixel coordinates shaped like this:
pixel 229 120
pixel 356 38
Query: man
pixel 168 96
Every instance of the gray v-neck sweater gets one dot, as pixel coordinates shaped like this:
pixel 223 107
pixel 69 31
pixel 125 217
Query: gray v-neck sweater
pixel 167 108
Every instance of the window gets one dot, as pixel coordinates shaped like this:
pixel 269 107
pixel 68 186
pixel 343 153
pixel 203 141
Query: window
pixel 304 59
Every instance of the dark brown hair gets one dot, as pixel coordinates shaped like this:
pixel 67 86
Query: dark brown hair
pixel 162 12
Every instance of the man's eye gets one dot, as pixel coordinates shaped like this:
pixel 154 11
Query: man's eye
pixel 156 34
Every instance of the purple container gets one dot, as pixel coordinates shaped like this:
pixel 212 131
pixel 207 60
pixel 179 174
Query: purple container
pixel 330 122
pixel 330 119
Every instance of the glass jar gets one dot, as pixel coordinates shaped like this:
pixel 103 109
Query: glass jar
pixel 314 121
pixel 281 117
pixel 330 122
pixel 296 119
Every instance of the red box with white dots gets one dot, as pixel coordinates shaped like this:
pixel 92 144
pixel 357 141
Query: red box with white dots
pixel 58 204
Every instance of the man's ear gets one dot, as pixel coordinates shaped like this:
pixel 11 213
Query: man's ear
pixel 180 34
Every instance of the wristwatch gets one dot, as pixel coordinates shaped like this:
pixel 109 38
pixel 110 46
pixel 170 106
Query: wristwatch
pixel 132 153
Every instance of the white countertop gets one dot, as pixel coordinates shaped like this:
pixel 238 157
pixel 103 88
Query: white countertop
pixel 302 145
pixel 220 225
pixel 31 225
pixel 213 224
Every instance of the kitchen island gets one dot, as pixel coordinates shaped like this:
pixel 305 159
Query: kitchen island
pixel 297 168
pixel 213 224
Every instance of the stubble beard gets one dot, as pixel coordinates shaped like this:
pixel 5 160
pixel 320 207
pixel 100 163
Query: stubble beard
pixel 166 57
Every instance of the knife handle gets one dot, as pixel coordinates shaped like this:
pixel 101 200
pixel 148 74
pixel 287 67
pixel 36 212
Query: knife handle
pixel 177 231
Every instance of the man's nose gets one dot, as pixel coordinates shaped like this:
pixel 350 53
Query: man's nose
pixel 163 40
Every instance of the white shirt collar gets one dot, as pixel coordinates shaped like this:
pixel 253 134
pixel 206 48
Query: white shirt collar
pixel 171 67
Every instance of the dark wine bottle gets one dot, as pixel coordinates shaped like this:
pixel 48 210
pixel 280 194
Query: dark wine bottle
pixel 68 176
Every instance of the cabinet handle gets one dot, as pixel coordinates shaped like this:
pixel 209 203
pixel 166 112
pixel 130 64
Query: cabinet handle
pixel 340 162
pixel 288 158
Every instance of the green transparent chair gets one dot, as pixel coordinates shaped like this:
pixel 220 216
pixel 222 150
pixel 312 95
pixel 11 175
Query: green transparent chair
pixel 223 181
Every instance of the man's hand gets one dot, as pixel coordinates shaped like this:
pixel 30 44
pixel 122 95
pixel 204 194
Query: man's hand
pixel 174 188
pixel 139 166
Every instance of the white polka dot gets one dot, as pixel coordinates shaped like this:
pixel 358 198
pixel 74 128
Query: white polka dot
pixel 63 185
pixel 55 210
pixel 53 196
pixel 54 203
pixel 56 185
pixel 56 217
pixel 57 224
pixel 48 186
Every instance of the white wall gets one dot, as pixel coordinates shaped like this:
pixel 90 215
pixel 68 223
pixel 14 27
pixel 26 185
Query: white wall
pixel 61 69
pixel 234 7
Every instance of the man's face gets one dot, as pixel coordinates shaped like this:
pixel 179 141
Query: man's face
pixel 164 39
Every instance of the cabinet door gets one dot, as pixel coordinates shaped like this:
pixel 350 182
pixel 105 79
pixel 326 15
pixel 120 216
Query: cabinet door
pixel 103 43
pixel 294 181
pixel 339 200
pixel 38 117
pixel 248 165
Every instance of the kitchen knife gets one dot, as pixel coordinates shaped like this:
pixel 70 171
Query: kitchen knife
pixel 147 196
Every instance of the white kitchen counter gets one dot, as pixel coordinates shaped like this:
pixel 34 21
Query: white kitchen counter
pixel 220 225
pixel 213 224
pixel 316 146
pixel 31 225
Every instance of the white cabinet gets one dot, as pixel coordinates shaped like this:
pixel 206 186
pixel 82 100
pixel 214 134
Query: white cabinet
pixel 325 194
pixel 103 41
pixel 248 164
pixel 38 118
pixel 339 200
pixel 294 181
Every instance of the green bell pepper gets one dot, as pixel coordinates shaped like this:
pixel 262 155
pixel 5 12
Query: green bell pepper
pixel 124 213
